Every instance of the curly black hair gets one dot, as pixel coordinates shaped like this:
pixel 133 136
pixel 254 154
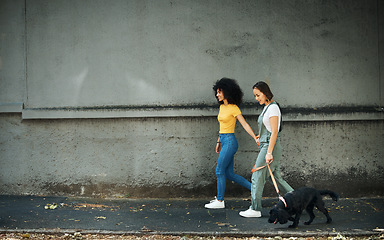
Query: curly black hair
pixel 231 90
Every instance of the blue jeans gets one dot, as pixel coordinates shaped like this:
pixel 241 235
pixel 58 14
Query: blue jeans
pixel 224 168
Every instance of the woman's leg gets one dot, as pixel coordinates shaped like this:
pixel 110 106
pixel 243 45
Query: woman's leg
pixel 231 176
pixel 228 150
pixel 258 180
pixel 283 186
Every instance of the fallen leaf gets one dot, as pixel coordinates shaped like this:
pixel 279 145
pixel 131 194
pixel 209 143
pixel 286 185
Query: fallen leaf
pixel 51 206
pixel 89 205
pixel 26 235
pixel 145 229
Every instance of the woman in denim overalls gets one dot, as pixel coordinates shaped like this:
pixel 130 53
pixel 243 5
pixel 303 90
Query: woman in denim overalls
pixel 270 149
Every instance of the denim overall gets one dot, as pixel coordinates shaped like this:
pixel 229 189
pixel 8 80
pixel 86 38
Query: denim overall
pixel 260 177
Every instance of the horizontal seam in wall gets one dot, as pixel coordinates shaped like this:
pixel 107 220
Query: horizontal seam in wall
pixel 301 110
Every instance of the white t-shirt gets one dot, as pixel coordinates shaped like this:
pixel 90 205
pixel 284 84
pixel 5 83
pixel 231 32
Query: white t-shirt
pixel 272 111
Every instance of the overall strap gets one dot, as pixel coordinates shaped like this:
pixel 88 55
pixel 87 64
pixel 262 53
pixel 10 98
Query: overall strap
pixel 266 109
pixel 260 122
pixel 281 116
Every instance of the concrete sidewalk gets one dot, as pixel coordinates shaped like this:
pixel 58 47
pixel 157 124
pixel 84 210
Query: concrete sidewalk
pixel 364 216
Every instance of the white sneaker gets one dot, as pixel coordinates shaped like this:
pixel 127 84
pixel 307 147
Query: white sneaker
pixel 250 213
pixel 213 200
pixel 215 204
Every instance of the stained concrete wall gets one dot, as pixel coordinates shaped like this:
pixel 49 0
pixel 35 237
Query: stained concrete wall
pixel 114 98
pixel 12 56
pixel 171 157
pixel 97 54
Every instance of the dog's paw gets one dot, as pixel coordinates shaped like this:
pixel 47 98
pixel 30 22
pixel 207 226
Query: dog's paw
pixel 292 226
pixel 307 223
pixel 329 220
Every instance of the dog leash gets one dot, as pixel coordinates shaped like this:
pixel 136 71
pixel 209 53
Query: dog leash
pixel 277 189
pixel 254 169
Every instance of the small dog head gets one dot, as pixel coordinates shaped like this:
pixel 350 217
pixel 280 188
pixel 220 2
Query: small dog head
pixel 278 215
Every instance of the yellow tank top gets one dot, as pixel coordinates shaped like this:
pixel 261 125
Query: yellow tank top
pixel 227 117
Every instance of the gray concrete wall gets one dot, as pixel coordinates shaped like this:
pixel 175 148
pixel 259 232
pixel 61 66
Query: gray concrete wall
pixel 172 157
pixel 114 98
pixel 135 53
pixel 12 56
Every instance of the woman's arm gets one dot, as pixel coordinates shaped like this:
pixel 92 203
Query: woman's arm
pixel 274 120
pixel 218 145
pixel 247 127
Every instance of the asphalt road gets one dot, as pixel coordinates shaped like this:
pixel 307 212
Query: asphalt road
pixel 362 216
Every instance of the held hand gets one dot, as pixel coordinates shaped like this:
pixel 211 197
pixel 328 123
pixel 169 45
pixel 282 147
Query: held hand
pixel 218 148
pixel 269 158
pixel 258 141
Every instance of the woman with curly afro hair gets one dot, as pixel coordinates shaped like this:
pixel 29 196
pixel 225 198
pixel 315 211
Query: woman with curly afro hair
pixel 229 95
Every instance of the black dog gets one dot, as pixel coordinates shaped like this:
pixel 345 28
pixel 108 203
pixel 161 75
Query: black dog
pixel 296 202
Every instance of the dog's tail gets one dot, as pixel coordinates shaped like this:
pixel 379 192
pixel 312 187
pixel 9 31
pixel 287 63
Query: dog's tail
pixel 333 195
